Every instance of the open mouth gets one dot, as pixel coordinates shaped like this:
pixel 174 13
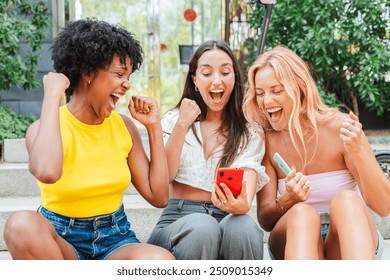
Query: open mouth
pixel 115 97
pixel 275 113
pixel 216 95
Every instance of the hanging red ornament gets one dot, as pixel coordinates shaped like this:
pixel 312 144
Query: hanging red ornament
pixel 190 15
pixel 163 47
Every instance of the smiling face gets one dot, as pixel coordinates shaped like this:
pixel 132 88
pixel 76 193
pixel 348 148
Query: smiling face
pixel 109 85
pixel 272 98
pixel 215 79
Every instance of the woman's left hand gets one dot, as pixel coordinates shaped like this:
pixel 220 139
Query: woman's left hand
pixel 226 201
pixel 350 133
pixel 144 109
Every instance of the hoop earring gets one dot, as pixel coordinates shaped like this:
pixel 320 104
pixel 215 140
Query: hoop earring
pixel 196 88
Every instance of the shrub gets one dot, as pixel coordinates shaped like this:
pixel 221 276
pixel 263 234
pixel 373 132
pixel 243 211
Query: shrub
pixel 21 21
pixel 345 43
pixel 13 125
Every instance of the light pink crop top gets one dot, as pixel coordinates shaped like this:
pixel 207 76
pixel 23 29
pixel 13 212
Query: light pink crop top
pixel 325 187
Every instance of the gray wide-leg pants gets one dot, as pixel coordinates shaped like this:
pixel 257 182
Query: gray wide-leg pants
pixel 200 231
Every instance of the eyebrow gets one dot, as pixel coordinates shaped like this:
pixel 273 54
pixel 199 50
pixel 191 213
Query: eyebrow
pixel 120 66
pixel 273 87
pixel 223 64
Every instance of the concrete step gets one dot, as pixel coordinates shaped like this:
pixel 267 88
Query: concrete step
pixel 17 181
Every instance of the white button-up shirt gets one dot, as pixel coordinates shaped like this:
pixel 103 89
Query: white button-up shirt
pixel 196 171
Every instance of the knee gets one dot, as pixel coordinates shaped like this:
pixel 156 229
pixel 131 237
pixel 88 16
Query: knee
pixel 302 214
pixel 199 238
pixel 239 225
pixel 346 201
pixel 203 227
pixel 160 254
pixel 345 197
pixel 19 224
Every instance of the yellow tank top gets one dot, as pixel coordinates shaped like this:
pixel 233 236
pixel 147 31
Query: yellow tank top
pixel 95 171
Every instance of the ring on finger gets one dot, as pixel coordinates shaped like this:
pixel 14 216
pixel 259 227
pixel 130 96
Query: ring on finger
pixel 223 202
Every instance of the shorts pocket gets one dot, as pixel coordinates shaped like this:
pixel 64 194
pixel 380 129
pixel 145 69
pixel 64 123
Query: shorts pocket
pixel 123 226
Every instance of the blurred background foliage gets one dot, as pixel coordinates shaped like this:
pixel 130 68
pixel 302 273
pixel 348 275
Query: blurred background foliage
pixel 345 43
pixel 21 21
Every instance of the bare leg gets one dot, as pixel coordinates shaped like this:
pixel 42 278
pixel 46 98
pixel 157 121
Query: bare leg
pixel 352 232
pixel 28 235
pixel 141 252
pixel 297 235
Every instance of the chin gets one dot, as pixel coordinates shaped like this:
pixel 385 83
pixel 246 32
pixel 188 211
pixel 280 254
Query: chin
pixel 277 127
pixel 107 114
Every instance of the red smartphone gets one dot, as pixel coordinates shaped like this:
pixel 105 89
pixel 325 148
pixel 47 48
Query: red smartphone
pixel 232 177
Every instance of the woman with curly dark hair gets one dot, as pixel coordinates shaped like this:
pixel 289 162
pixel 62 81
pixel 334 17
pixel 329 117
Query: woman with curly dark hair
pixel 206 130
pixel 84 154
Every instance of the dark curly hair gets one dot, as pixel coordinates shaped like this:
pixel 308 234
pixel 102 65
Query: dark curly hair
pixel 87 45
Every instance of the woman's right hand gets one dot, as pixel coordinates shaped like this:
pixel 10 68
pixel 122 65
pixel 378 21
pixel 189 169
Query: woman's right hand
pixel 55 84
pixel 189 111
pixel 297 186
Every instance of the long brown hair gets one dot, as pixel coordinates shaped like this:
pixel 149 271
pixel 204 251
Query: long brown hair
pixel 234 124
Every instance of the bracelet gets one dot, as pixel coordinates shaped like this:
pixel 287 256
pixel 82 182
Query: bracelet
pixel 280 206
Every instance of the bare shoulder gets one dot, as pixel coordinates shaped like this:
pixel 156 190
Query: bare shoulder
pixel 334 123
pixel 128 122
pixel 132 128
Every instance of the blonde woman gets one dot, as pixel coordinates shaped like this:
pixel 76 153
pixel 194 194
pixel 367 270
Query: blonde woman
pixel 320 210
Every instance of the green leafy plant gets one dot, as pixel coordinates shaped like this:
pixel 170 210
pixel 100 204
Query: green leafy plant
pixel 21 21
pixel 13 125
pixel 345 43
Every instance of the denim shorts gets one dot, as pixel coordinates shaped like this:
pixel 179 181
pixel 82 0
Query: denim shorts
pixel 93 238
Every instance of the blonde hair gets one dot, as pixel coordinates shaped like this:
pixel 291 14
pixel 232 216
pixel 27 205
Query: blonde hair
pixel 293 74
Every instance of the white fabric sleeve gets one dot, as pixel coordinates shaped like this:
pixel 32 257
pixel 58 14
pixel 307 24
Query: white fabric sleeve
pixel 252 156
pixel 168 122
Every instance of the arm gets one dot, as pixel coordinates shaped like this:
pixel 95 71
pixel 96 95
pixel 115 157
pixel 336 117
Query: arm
pixel 269 209
pixel 150 178
pixel 43 138
pixel 359 156
pixel 189 111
